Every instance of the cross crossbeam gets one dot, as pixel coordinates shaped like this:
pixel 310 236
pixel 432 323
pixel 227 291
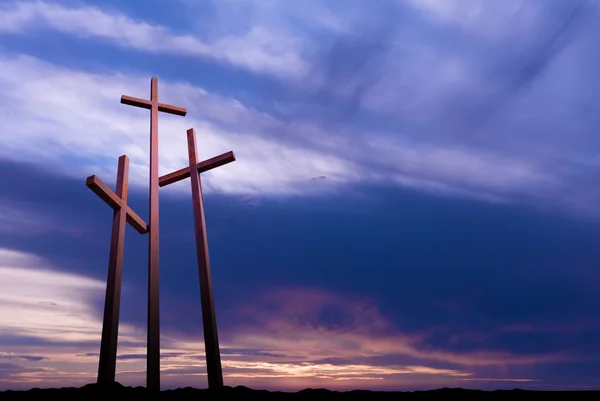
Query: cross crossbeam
pixel 122 214
pixel 147 104
pixel 202 167
pixel 209 321
pixel 115 202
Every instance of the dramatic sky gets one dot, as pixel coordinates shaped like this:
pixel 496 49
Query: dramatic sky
pixel 415 201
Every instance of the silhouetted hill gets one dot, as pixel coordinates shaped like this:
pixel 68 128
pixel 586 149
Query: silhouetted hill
pixel 96 392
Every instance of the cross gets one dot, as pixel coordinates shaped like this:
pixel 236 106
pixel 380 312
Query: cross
pixel 153 343
pixel 122 214
pixel 209 321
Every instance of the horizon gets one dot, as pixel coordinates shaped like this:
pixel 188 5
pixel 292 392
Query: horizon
pixel 412 206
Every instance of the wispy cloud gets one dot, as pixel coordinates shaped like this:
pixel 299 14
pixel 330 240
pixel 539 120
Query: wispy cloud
pixel 305 337
pixel 322 323
pixel 47 317
pixel 40 306
pixel 485 17
pixel 25 219
pixel 287 339
pixel 47 305
pixel 258 49
pixel 474 116
pixel 501 380
pixel 31 358
pixel 43 95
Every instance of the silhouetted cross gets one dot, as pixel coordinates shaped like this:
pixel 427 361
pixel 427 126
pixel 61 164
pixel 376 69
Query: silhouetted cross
pixel 153 343
pixel 209 321
pixel 122 214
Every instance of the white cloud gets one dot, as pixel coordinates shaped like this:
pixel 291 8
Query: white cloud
pixel 486 18
pixel 459 168
pixel 63 116
pixel 71 114
pixel 258 49
pixel 39 302
pixel 308 14
pixel 75 120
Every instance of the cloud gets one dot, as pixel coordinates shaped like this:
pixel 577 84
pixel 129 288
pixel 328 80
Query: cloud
pixel 31 358
pixel 14 372
pixel 290 338
pixel 26 220
pixel 318 323
pixel 284 338
pixel 258 49
pixel 492 93
pixel 17 219
pixel 484 17
pixel 501 380
pixel 309 15
pixel 43 94
pixel 470 115
pixel 47 317
pixel 45 304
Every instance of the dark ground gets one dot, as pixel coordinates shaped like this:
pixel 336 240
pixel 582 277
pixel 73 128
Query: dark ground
pixel 94 392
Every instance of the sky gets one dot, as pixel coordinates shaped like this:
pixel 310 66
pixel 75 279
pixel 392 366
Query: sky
pixel 413 205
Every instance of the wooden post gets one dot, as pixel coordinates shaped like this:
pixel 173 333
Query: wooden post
pixel 153 344
pixel 122 214
pixel 209 320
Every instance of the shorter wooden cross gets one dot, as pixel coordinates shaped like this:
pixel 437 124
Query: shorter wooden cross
pixel 122 214
pixel 209 321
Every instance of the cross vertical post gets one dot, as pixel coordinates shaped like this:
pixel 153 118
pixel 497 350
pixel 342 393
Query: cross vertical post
pixel 153 342
pixel 209 321
pixel 122 214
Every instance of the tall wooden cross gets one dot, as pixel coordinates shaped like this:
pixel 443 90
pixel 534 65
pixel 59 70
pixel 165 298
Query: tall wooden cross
pixel 122 214
pixel 209 321
pixel 153 344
